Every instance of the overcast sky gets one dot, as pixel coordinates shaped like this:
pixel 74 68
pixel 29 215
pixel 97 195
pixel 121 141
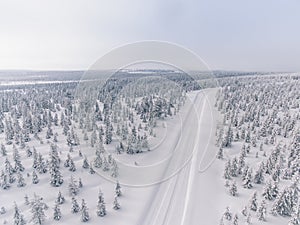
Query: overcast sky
pixel 226 34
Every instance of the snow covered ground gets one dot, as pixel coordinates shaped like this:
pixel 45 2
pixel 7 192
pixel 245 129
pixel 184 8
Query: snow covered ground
pixel 179 181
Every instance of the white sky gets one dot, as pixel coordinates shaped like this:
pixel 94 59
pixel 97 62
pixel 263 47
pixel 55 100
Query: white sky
pixel 226 34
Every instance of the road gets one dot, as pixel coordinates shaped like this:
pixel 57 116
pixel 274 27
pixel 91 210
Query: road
pixel 190 196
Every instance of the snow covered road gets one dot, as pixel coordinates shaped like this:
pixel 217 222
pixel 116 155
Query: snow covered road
pixel 191 195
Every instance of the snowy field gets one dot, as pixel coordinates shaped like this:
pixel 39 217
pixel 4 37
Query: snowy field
pixel 180 157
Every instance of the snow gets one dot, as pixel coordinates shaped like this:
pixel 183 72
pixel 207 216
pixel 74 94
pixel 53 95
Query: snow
pixel 178 182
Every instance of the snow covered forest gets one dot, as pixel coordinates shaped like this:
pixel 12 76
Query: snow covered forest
pixel 259 145
pixel 61 147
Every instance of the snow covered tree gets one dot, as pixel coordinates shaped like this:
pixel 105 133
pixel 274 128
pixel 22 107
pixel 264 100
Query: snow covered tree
pixel 37 210
pixel 227 170
pixel 4 181
pixel 73 187
pixel 247 183
pixel 18 216
pixel 84 212
pixel 3 150
pixel 118 189
pixel 227 214
pixel 220 154
pixel 262 211
pixel 253 202
pixel 101 210
pixel 60 198
pixel 295 220
pixel 75 206
pixel 259 175
pixel 85 163
pixel 115 169
pixel 21 181
pixel 35 178
pixel 233 189
pixel 55 176
pixel 57 212
pixel 116 204
pixel 235 220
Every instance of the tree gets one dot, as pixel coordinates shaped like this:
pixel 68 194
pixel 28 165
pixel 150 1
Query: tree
pixel 84 212
pixel 227 214
pixel 4 181
pixel 37 210
pixel 262 211
pixel 101 210
pixel 118 189
pixel 55 176
pixel 85 164
pixel 18 216
pixel 115 169
pixel 73 187
pixel 3 150
pixel 295 220
pixel 227 170
pixel 233 189
pixel 60 198
pixel 235 220
pixel 57 212
pixel 247 183
pixel 75 206
pixel 220 154
pixel 253 202
pixel 116 204
pixel 21 181
pixel 259 175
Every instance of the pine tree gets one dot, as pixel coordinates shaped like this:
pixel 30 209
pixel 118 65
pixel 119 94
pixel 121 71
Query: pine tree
pixel 101 210
pixel 233 189
pixel 55 176
pixel 220 154
pixel 267 192
pixel 116 204
pixel 262 211
pixel 227 170
pixel 234 167
pixel 75 206
pixel 35 178
pixel 235 220
pixel 37 210
pixel 247 183
pixel 85 164
pixel 91 170
pixel 3 150
pixel 245 211
pixel 295 220
pixel 4 181
pixel 21 181
pixel 60 198
pixel 249 219
pixel 259 175
pixel 253 202
pixel 26 200
pixel 18 216
pixel 115 169
pixel 118 189
pixel 227 214
pixel 57 212
pixel 84 212
pixel 73 187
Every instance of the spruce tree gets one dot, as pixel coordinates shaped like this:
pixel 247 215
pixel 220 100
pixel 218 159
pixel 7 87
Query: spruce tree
pixel 84 212
pixel 18 216
pixel 75 206
pixel 57 212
